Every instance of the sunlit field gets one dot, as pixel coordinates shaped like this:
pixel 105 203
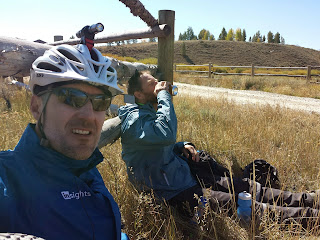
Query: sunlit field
pixel 299 87
pixel 234 134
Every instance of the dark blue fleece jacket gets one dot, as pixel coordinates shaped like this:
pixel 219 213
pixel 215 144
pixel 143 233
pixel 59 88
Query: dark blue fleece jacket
pixel 48 195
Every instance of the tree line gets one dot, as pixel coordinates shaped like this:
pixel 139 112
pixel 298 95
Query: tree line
pixel 231 35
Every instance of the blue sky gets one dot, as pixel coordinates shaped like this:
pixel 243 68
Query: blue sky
pixel 297 21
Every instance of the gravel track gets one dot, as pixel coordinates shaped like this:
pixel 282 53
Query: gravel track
pixel 310 105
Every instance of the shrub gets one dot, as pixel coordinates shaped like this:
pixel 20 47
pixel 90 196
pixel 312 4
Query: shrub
pixel 149 61
pixel 239 70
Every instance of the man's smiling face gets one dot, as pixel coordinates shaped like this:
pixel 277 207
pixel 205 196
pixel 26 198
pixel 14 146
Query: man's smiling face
pixel 74 132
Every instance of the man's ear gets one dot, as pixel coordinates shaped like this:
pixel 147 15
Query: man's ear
pixel 36 106
pixel 138 95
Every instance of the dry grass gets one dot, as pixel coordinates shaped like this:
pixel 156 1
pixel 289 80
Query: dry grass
pixel 225 53
pixel 234 134
pixel 281 85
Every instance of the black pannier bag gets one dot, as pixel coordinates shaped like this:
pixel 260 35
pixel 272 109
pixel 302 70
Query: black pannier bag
pixel 262 172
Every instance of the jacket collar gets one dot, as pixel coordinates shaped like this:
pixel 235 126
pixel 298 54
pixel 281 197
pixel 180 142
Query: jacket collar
pixel 29 144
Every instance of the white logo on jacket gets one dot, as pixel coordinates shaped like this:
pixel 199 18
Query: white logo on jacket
pixel 77 195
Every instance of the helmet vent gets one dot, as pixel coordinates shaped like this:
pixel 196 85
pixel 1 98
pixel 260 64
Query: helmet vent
pixel 68 55
pixel 48 66
pixel 75 68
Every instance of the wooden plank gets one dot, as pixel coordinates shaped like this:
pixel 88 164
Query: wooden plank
pixel 193 71
pixel 162 30
pixel 309 72
pixel 280 67
pixel 279 75
pixel 217 73
pixel 166 47
pixel 231 66
pixel 192 65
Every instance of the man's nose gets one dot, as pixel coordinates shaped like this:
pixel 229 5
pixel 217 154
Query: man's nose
pixel 87 111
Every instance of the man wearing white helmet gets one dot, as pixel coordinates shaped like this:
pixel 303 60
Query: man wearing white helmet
pixel 49 184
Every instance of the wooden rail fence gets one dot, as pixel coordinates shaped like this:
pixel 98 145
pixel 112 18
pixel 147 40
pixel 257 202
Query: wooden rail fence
pixel 252 73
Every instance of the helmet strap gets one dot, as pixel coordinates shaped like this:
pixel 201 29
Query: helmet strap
pixel 43 141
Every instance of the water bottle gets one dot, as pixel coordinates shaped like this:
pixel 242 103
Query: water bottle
pixel 201 208
pixel 244 208
pixel 124 236
pixel 173 90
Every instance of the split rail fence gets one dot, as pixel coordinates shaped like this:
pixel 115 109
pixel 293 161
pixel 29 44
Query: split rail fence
pixel 211 67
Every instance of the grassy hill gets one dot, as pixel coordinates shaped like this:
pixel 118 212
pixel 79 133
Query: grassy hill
pixel 225 53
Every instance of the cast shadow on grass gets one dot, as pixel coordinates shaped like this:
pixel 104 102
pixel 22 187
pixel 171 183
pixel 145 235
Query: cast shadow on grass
pixel 186 57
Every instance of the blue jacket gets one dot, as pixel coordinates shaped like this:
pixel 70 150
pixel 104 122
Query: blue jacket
pixel 48 195
pixel 149 150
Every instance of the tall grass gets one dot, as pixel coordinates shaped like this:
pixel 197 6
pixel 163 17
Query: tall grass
pixel 234 134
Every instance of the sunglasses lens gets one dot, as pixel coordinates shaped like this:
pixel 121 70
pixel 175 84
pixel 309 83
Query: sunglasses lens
pixel 72 97
pixel 101 102
pixel 77 99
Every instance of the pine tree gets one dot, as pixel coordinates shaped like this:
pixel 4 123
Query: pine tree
pixel 190 34
pixel 270 37
pixel 184 36
pixel 256 37
pixel 244 35
pixel 223 34
pixel 263 38
pixel 277 38
pixel 282 41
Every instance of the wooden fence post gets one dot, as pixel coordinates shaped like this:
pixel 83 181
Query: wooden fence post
pixel 308 73
pixel 210 64
pixel 166 46
pixel 252 70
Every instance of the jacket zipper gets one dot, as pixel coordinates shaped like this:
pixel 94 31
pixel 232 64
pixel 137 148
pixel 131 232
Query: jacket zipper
pixel 165 177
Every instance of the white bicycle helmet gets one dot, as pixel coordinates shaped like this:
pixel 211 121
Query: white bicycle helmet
pixel 66 63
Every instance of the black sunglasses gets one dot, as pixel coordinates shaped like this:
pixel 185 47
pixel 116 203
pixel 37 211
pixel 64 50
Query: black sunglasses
pixel 77 98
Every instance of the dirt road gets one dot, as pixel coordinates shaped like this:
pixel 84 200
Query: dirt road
pixel 310 105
